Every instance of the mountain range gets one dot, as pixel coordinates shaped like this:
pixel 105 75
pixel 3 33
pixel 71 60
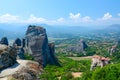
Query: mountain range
pixel 13 31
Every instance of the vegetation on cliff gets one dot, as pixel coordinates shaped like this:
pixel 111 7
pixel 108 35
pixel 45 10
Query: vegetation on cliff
pixel 109 72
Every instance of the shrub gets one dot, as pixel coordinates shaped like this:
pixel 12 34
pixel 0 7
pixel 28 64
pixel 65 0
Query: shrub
pixel 28 57
pixel 67 76
pixel 109 72
pixel 64 71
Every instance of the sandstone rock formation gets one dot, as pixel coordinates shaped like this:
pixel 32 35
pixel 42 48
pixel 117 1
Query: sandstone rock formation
pixel 37 45
pixel 23 70
pixel 99 61
pixel 52 59
pixel 80 47
pixel 4 41
pixel 19 48
pixel 7 56
pixel 30 71
pixel 17 42
pixel 112 50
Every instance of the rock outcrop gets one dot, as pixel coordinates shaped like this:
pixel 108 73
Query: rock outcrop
pixel 23 70
pixel 7 56
pixel 4 41
pixel 19 48
pixel 30 71
pixel 17 42
pixel 99 61
pixel 52 59
pixel 79 48
pixel 112 50
pixel 37 45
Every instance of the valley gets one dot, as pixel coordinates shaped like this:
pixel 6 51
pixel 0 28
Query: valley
pixel 71 54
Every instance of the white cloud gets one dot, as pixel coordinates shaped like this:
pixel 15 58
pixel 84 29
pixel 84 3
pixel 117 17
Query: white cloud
pixel 87 19
pixel 107 16
pixel 74 16
pixel 118 14
pixel 34 19
pixel 60 19
pixel 74 19
pixel 7 18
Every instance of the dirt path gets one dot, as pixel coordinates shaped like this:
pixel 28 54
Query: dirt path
pixel 81 58
pixel 76 74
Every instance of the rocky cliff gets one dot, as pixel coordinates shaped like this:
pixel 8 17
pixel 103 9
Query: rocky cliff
pixel 7 56
pixel 79 48
pixel 19 48
pixel 37 45
pixel 4 41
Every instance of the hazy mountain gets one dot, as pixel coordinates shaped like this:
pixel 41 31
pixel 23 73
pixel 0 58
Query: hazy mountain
pixel 12 31
pixel 18 30
pixel 113 28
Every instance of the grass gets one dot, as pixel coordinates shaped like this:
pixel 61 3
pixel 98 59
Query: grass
pixel 65 70
pixel 81 58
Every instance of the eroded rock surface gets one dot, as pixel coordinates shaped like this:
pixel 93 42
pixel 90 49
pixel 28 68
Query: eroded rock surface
pixel 99 61
pixel 80 47
pixel 7 56
pixel 37 45
pixel 22 70
pixel 4 41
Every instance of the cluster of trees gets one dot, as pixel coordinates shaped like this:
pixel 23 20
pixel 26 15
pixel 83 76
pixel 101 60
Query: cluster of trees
pixel 109 72
pixel 65 70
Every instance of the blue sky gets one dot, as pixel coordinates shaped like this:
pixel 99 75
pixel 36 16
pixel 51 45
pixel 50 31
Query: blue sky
pixel 60 12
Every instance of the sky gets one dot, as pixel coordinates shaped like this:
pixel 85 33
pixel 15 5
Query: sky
pixel 60 12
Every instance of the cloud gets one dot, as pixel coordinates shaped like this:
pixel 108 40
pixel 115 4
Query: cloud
pixel 34 19
pixel 60 19
pixel 74 16
pixel 8 18
pixel 107 16
pixel 87 19
pixel 74 19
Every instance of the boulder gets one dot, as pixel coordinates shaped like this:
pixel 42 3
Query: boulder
pixel 19 48
pixel 30 71
pixel 17 42
pixel 5 60
pixel 20 53
pixel 4 41
pixel 3 48
pixel 7 57
pixel 37 45
pixel 22 70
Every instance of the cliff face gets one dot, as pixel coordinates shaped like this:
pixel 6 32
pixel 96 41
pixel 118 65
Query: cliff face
pixel 19 48
pixel 4 41
pixel 37 45
pixel 7 56
pixel 80 47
